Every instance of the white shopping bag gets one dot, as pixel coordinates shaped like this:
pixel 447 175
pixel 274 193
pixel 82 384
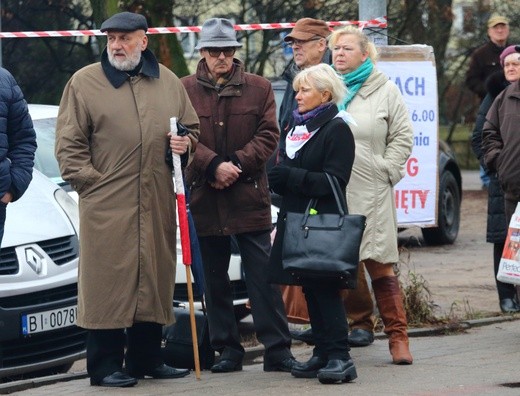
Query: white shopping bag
pixel 509 269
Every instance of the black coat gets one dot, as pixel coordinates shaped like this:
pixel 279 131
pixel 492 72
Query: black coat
pixel 485 61
pixel 496 219
pixel 330 150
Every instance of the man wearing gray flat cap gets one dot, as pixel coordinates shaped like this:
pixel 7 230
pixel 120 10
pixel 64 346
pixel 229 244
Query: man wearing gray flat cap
pixel 230 197
pixel 112 136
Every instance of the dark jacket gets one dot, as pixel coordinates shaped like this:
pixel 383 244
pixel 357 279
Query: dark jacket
pixel 496 219
pixel 237 124
pixel 331 150
pixel 501 140
pixel 285 117
pixel 485 60
pixel 17 138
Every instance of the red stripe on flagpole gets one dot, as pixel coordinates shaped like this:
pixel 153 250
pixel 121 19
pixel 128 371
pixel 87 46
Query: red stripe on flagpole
pixel 184 229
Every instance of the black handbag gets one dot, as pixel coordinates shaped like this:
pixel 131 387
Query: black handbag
pixel 177 345
pixel 324 246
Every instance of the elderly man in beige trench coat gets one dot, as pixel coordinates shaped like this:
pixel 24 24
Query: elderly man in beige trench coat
pixel 111 142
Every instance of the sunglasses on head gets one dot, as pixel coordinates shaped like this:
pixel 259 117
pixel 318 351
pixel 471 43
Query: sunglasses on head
pixel 215 52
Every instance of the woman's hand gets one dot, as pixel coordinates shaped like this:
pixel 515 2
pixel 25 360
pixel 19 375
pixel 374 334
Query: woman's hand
pixel 278 177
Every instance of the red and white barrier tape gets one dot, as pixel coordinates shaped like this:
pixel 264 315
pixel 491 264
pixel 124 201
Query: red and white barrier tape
pixel 378 22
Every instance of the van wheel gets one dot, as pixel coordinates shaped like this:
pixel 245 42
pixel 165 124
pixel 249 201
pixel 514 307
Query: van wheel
pixel 448 209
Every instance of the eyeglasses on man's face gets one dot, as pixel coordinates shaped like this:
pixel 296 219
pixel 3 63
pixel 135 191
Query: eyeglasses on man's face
pixel 293 42
pixel 215 52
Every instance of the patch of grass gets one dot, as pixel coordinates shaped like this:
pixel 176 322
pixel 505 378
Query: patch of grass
pixel 464 154
pixel 460 143
pixel 417 300
pixel 462 132
pixel 249 340
pixel 421 308
pixel 464 312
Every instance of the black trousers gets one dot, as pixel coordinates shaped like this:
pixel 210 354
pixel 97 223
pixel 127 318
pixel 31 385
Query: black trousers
pixel 270 320
pixel 106 349
pixel 327 317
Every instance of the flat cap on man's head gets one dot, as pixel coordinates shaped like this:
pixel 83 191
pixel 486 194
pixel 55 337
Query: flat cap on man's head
pixel 308 28
pixel 497 19
pixel 217 33
pixel 125 22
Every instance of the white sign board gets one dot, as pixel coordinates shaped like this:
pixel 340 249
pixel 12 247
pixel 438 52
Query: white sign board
pixel 415 194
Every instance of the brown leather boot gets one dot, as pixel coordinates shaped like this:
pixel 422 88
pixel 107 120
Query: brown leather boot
pixel 391 309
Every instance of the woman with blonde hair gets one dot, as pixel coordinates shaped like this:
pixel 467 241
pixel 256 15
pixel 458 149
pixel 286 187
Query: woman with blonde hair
pixel 320 143
pixel 384 138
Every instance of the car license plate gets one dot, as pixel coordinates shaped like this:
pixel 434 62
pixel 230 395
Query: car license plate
pixel 49 320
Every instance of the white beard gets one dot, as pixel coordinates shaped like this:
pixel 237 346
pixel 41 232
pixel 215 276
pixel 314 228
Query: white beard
pixel 130 63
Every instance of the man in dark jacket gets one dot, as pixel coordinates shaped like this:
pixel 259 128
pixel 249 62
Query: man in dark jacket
pixel 238 133
pixel 484 62
pixel 485 59
pixel 17 144
pixel 308 40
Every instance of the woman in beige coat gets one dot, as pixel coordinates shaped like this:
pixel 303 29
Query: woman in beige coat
pixel 384 140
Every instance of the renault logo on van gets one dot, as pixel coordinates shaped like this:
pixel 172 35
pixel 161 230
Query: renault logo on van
pixel 35 259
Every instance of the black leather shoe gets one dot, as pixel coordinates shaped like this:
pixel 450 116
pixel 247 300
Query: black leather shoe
pixel 337 370
pixel 509 305
pixel 310 368
pixel 285 365
pixel 360 338
pixel 162 372
pixel 116 379
pixel 226 366
pixel 305 336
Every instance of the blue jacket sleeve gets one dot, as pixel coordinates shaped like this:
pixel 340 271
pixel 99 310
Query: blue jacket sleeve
pixel 21 138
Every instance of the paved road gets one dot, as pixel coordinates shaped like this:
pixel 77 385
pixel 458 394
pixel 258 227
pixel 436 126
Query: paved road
pixel 471 180
pixel 482 360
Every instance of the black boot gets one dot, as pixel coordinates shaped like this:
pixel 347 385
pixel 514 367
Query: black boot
pixel 360 338
pixel 305 336
pixel 337 370
pixel 310 368
pixel 509 305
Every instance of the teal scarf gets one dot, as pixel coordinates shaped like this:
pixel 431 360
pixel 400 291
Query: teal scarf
pixel 354 80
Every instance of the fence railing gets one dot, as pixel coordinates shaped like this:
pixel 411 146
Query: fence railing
pixel 465 156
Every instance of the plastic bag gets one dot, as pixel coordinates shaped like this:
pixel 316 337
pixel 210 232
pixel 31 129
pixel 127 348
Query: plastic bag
pixel 509 269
